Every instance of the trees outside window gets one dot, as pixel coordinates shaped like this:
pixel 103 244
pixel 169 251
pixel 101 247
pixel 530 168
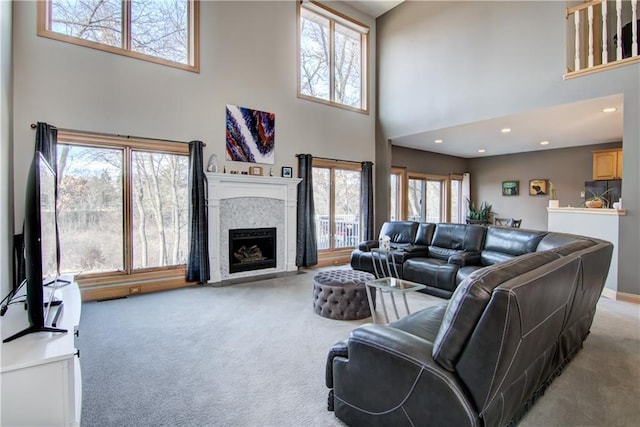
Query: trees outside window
pixel 122 206
pixel 426 198
pixel 332 57
pixel 163 31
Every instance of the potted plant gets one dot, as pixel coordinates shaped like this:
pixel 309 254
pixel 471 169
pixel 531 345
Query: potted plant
pixel 478 215
pixel 553 199
pixel 597 200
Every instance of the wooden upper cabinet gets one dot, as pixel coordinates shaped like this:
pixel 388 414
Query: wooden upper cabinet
pixel 607 164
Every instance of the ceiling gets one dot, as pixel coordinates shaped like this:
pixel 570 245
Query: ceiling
pixel 373 8
pixel 568 125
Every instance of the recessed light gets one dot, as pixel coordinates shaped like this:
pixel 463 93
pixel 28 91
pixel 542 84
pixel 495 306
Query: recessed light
pixel 482 150
pixel 609 110
pixel 505 130
pixel 438 141
pixel 544 142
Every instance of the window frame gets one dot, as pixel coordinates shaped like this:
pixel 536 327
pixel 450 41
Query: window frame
pixel 129 145
pixel 401 195
pixel 336 17
pixel 44 30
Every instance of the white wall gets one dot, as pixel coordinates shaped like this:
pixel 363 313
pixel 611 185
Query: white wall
pixel 6 169
pixel 248 58
pixel 447 63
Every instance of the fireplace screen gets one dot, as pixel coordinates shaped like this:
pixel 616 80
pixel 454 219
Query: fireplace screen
pixel 252 249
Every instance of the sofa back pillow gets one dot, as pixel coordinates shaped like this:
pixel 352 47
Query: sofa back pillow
pixel 503 243
pixel 399 231
pixel 469 301
pixel 560 240
pixel 425 233
pixel 449 239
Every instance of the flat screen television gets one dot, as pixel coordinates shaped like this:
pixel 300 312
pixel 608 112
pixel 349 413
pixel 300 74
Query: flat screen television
pixel 40 244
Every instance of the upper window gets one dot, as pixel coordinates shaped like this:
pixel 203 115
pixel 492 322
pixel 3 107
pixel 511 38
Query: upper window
pixel 161 31
pixel 332 57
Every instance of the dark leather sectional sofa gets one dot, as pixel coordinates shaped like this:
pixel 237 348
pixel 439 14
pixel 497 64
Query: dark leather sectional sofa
pixel 483 357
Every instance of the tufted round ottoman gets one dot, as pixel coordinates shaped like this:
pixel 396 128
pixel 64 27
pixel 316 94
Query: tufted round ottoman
pixel 341 294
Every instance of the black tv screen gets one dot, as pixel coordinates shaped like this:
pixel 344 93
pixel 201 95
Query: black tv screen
pixel 40 242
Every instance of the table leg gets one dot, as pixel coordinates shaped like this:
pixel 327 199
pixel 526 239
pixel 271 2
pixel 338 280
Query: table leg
pixel 395 308
pixel 384 306
pixel 372 308
pixel 406 305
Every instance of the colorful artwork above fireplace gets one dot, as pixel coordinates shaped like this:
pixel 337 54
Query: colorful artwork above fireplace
pixel 250 135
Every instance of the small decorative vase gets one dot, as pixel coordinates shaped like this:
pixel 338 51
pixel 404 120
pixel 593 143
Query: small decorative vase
pixel 212 165
pixel 554 203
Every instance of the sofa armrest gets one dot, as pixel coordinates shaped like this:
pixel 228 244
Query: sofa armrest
pixel 465 258
pixel 367 245
pixel 390 376
pixel 338 350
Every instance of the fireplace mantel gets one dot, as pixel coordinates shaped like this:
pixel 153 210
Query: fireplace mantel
pixel 247 193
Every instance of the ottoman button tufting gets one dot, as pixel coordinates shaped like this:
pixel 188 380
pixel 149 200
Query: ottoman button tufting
pixel 348 290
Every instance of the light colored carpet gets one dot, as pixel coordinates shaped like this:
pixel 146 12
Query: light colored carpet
pixel 253 354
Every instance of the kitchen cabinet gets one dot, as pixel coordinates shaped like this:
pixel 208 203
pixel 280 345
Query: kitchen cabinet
pixel 607 164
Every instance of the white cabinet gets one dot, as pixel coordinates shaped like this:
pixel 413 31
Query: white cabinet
pixel 40 377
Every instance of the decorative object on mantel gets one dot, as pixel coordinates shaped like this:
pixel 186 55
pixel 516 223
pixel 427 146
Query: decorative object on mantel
pixel 212 164
pixel 553 199
pixel 250 135
pixel 287 172
pixel 597 200
pixel 538 187
pixel 255 170
pixel 510 188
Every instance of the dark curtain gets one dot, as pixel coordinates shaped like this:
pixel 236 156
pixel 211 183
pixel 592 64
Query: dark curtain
pixel 198 261
pixel 306 245
pixel 46 143
pixel 366 204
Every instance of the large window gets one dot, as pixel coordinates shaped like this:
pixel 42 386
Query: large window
pixel 162 31
pixel 332 63
pixel 122 205
pixel 336 196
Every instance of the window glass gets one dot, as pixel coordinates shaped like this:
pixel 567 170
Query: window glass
pixel 160 209
pixel 347 208
pixel 456 206
pixel 96 21
pixel 314 55
pixel 416 198
pixel 90 209
pixel 434 201
pixel 322 204
pixel 161 28
pixel 347 67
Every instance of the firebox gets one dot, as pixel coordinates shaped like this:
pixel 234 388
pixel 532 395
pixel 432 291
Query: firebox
pixel 252 249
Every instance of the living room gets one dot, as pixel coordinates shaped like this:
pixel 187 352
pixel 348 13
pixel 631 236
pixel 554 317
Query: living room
pixel 248 57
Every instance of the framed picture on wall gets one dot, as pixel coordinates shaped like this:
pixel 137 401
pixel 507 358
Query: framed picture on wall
pixel 538 187
pixel 510 188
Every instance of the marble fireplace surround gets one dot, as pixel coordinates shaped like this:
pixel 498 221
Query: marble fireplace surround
pixel 248 201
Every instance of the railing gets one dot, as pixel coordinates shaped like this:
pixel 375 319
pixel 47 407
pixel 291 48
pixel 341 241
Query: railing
pixel 594 46
pixel 347 232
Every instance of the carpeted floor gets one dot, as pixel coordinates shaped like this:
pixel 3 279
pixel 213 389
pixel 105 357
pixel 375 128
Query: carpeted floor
pixel 253 354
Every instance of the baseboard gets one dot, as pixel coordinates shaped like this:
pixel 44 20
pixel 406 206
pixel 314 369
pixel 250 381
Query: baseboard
pixel 119 291
pixel 621 296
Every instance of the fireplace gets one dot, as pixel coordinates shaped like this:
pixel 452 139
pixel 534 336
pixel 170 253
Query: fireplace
pixel 252 249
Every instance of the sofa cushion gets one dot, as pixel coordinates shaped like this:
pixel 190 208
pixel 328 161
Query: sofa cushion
pixel 431 271
pixel 469 301
pixel 503 243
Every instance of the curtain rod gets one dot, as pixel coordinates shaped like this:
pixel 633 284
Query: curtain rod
pixel 33 126
pixel 334 160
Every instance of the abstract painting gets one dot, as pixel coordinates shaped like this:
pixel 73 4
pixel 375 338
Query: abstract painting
pixel 250 135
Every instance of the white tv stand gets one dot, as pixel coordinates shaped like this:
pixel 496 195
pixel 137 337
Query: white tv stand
pixel 40 377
